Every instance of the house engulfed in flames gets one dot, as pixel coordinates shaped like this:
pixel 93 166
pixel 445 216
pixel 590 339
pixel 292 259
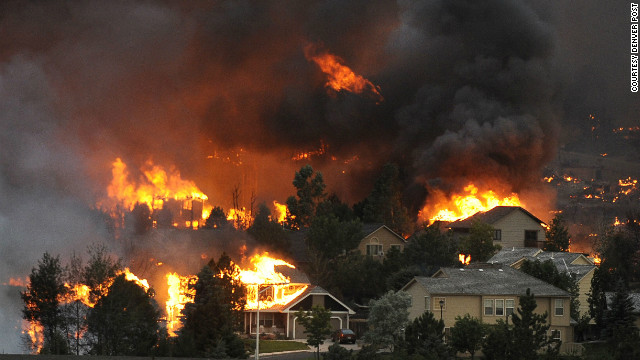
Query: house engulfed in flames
pixel 279 303
pixel 282 291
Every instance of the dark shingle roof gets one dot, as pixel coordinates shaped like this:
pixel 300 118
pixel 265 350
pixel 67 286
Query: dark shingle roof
pixel 490 217
pixel 486 281
pixel 510 256
pixel 635 299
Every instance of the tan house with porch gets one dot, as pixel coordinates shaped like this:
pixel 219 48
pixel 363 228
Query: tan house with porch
pixel 379 239
pixel 487 292
pixel 513 227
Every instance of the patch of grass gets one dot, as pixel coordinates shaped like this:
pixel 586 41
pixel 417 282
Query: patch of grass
pixel 270 346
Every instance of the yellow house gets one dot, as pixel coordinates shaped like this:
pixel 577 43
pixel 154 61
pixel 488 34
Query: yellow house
pixel 379 239
pixel 576 264
pixel 487 292
pixel 513 227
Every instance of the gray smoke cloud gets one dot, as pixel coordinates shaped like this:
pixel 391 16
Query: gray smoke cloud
pixel 222 91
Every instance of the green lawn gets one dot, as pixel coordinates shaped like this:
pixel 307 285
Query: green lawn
pixel 269 346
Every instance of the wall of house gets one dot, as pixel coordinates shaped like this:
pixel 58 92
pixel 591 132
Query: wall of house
pixel 513 227
pixel 459 305
pixel 383 237
pixel 584 287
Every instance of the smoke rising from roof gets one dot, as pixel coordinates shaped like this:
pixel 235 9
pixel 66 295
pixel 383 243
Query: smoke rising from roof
pixel 474 90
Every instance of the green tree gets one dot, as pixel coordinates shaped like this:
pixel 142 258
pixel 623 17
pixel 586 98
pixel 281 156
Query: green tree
pixel 337 352
pixel 530 331
pixel 99 271
pixel 557 235
pixel 211 319
pixel 268 232
pixel 42 302
pixel 309 193
pixel 387 319
pixel 497 342
pixel 75 312
pixel 425 336
pixel 548 272
pixel 479 242
pixel 217 219
pixel 356 277
pixel 597 298
pixel 140 219
pixel 332 237
pixel 316 324
pixel 124 321
pixel 431 249
pixel 620 330
pixel 467 334
pixel 384 204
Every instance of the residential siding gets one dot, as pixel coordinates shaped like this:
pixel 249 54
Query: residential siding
pixel 381 236
pixel 459 305
pixel 513 227
pixel 584 287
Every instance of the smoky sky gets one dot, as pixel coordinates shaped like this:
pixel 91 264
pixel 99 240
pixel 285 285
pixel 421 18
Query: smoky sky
pixel 473 90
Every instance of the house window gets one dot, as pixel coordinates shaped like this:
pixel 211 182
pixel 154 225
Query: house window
pixel 509 304
pixel 559 307
pixel 499 307
pixel 396 246
pixel 447 334
pixel 374 249
pixel 427 303
pixel 437 301
pixel 488 307
pixel 531 238
pixel 556 335
pixel 497 235
pixel 266 320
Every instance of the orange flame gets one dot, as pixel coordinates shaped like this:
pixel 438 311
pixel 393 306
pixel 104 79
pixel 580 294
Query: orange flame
pixel 281 212
pixel 179 295
pixel 461 206
pixel 36 335
pixel 464 260
pixel 240 218
pixel 81 292
pixel 596 259
pixel 154 189
pixel 279 289
pixel 339 76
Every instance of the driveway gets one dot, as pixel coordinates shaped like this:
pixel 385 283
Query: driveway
pixel 307 354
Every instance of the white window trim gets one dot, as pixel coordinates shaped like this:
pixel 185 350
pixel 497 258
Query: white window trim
pixel 551 332
pixel 485 307
pixel 513 308
pixel 427 303
pixel 555 307
pixel 495 310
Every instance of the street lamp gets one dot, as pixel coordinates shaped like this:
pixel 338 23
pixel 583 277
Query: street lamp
pixel 441 306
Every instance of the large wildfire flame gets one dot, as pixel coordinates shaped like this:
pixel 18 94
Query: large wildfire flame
pixel 461 206
pixel 157 187
pixel 261 274
pixel 81 292
pixel 339 76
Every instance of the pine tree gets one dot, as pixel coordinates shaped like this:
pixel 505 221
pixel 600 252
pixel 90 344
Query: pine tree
pixel 42 302
pixel 530 330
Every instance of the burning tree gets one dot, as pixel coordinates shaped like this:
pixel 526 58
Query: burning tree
pixel 42 302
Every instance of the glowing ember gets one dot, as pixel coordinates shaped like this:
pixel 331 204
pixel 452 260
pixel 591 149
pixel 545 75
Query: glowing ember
pixel 596 259
pixel 464 260
pixel 617 222
pixel 461 206
pixel 339 76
